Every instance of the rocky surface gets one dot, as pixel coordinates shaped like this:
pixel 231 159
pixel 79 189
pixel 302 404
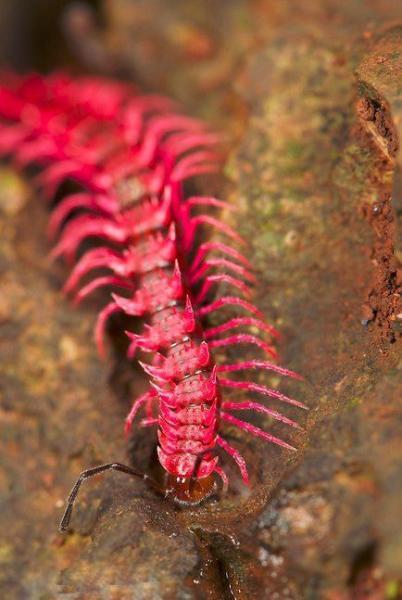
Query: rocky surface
pixel 311 99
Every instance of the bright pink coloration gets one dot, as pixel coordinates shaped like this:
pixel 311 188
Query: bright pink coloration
pixel 131 155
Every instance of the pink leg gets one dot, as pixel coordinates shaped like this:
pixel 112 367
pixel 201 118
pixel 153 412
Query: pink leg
pixel 65 208
pixel 211 279
pixel 243 338
pixel 158 127
pixel 259 408
pixel 258 364
pixel 95 259
pixel 99 282
pixel 135 112
pixel 195 170
pixel 237 457
pixel 182 142
pixel 11 137
pixel 148 422
pixel 237 322
pixel 224 477
pixel 83 227
pixel 149 406
pixel 195 163
pixel 255 431
pixel 103 316
pixel 261 389
pixel 221 262
pixel 50 179
pixel 168 123
pixel 210 201
pixel 230 301
pixel 207 247
pixel 132 349
pixel 142 400
pixel 34 151
pixel 207 219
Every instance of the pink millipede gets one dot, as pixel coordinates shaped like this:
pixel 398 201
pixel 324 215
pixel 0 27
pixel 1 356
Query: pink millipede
pixel 131 155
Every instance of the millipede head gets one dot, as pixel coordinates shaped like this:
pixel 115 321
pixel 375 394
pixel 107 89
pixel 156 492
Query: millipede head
pixel 190 491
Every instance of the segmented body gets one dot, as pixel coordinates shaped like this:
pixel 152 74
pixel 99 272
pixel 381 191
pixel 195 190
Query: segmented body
pixel 131 155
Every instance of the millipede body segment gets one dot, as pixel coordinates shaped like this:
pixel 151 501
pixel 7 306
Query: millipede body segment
pixel 130 156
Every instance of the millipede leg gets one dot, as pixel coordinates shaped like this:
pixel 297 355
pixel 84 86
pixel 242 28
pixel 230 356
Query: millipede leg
pixel 225 480
pixel 64 523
